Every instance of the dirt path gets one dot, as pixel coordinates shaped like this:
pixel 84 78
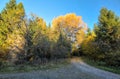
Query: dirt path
pixel 76 70
pixel 77 62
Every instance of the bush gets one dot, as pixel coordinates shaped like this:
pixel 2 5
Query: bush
pixel 113 58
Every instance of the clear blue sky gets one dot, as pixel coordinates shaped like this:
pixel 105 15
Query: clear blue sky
pixel 49 9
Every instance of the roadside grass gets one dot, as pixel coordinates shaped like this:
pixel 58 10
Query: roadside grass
pixel 101 65
pixel 29 67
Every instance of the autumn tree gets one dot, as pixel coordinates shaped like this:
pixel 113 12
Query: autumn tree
pixel 89 47
pixel 12 26
pixel 61 48
pixel 72 25
pixel 37 38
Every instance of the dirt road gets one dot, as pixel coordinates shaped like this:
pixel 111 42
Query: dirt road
pixel 76 70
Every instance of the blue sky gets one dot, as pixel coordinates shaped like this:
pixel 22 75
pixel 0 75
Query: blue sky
pixel 49 9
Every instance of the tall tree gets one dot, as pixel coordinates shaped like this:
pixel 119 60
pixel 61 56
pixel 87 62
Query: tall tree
pixel 12 26
pixel 108 37
pixel 72 25
pixel 107 30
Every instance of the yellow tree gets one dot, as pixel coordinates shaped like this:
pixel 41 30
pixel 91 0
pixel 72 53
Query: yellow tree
pixel 88 45
pixel 12 27
pixel 72 25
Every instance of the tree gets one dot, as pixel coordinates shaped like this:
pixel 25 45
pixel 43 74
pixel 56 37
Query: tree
pixel 12 28
pixel 38 39
pixel 107 36
pixel 72 26
pixel 62 47
pixel 107 29
pixel 89 47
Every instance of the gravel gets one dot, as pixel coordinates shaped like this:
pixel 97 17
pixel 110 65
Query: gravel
pixel 76 70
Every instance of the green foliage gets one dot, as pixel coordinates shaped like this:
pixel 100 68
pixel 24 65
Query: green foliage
pixel 11 29
pixel 28 40
pixel 106 34
pixel 62 48
pixel 89 47
pixel 101 65
pixel 104 43
pixel 39 44
pixel 107 37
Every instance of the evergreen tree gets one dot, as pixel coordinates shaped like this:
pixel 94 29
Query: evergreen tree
pixel 106 30
pixel 108 37
pixel 12 28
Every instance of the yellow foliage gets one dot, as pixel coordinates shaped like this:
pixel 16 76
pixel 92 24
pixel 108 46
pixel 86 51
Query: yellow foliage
pixel 41 23
pixel 72 25
pixel 72 20
pixel 87 46
pixel 69 20
pixel 80 36
pixel 14 39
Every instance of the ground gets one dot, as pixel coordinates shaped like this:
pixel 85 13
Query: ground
pixel 77 69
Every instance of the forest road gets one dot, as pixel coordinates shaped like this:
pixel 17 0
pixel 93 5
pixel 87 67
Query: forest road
pixel 77 69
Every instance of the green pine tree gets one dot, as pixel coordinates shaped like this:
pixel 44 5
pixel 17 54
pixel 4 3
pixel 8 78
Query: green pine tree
pixel 106 30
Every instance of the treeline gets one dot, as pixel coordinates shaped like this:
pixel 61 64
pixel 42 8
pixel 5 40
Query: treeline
pixel 103 43
pixel 30 40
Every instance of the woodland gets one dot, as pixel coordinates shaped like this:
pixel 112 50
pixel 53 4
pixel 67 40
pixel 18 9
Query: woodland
pixel 30 40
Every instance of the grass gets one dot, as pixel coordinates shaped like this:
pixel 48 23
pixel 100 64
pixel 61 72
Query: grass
pixel 101 65
pixel 28 68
